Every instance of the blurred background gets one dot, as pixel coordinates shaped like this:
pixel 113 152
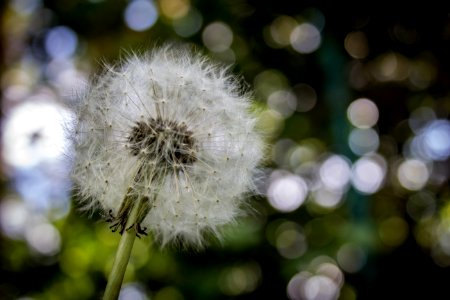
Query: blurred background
pixel 354 105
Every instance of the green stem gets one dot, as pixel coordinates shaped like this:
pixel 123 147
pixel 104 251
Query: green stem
pixel 123 254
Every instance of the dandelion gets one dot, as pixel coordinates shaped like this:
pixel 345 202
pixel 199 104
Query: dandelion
pixel 165 144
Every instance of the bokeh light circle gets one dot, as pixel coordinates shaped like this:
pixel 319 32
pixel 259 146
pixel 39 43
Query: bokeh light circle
pixel 305 38
pixel 306 97
pixel 217 36
pixel 34 133
pixel 286 193
pixel 363 113
pixel 60 42
pixel 436 140
pixel 140 15
pixel 413 174
pixel 351 257
pixel 335 172
pixel 368 174
pixel 362 141
pixel 320 287
pixel 283 101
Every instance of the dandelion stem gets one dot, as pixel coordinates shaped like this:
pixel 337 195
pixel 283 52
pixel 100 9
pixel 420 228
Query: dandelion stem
pixel 123 254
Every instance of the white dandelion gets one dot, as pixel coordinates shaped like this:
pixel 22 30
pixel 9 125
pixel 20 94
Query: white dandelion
pixel 171 130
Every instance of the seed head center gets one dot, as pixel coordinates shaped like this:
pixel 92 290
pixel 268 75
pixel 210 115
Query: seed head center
pixel 168 142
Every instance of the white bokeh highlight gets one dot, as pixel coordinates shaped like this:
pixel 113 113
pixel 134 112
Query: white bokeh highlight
pixel 287 193
pixel 413 174
pixel 34 133
pixel 335 172
pixel 305 38
pixel 368 174
pixel 363 113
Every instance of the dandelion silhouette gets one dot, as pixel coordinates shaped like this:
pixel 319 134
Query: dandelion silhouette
pixel 165 143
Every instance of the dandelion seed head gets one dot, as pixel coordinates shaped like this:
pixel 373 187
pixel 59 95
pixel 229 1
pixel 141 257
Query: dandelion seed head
pixel 171 142
pixel 173 128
